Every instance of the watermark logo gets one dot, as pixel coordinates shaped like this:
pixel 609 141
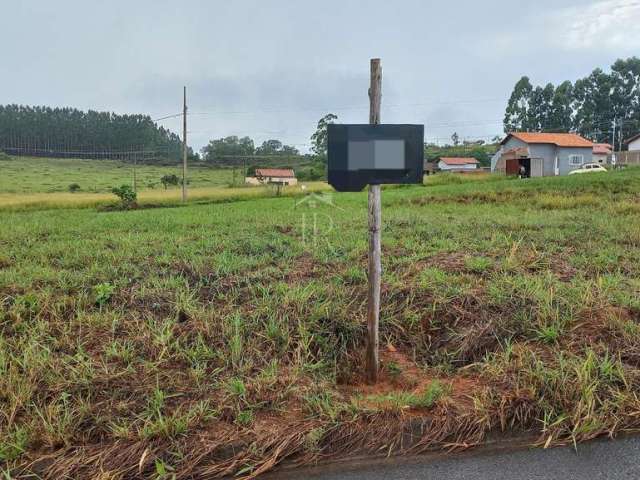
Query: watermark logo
pixel 316 223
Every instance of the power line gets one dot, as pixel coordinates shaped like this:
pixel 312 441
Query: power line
pixel 85 152
pixel 168 116
pixel 330 109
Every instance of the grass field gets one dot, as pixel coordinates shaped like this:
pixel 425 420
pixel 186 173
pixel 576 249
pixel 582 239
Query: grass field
pixel 221 339
pixel 149 198
pixel 47 175
pixel 42 183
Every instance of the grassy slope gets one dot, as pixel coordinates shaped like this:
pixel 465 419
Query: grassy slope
pixel 46 175
pixel 176 333
pixel 41 183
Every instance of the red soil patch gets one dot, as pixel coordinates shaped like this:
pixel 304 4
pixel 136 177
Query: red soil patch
pixel 400 374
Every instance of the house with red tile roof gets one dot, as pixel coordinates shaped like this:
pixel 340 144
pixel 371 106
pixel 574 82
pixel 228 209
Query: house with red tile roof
pixel 280 176
pixel 537 154
pixel 601 152
pixel 457 164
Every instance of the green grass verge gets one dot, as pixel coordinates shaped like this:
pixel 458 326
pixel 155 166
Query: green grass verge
pixel 222 338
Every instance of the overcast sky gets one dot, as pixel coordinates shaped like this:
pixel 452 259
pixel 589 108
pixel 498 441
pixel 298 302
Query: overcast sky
pixel 271 68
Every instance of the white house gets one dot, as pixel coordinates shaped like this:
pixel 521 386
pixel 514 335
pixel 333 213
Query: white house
pixel 542 154
pixel 280 176
pixel 457 164
pixel 633 143
pixel 601 152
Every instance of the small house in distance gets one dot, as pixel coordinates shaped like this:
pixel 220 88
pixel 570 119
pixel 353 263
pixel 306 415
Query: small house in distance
pixel 277 176
pixel 457 164
pixel 601 152
pixel 542 154
pixel 633 143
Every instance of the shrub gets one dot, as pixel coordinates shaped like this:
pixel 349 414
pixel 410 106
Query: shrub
pixel 127 196
pixel 167 180
pixel 73 187
pixel 317 171
pixel 4 156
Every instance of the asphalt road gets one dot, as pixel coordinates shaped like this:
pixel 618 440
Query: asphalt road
pixel 602 459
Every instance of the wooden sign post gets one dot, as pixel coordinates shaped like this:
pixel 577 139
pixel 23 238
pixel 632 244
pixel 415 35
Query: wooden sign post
pixel 374 154
pixel 375 217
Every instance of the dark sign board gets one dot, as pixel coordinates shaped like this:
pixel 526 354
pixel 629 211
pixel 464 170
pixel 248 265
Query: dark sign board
pixel 361 155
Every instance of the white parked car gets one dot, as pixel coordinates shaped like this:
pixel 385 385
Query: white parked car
pixel 589 168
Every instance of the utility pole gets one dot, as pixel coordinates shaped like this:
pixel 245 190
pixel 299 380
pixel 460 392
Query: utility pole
pixel 184 147
pixel 619 136
pixel 135 164
pixel 375 268
pixel 613 144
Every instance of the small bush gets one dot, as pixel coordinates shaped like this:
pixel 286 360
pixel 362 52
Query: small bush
pixel 317 171
pixel 127 196
pixel 73 187
pixel 167 180
pixel 4 156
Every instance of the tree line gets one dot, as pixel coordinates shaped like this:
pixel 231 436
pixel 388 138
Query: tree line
pixel 589 106
pixel 51 131
pixel 232 147
pixel 229 148
pixel 40 130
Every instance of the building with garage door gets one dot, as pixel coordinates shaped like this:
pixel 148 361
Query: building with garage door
pixel 541 154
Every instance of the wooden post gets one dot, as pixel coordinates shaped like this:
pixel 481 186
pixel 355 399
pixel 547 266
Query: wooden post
pixel 184 147
pixel 375 217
